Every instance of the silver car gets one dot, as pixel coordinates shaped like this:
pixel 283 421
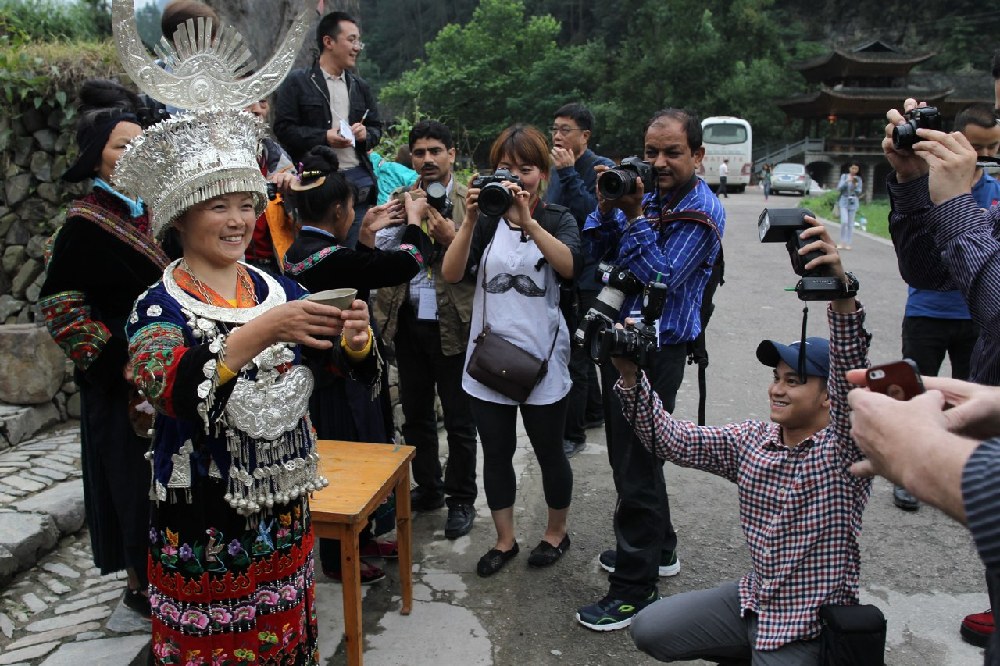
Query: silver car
pixel 790 177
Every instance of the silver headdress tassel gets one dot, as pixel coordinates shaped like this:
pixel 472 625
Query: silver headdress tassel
pixel 195 157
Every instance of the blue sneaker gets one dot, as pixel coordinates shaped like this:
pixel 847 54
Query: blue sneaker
pixel 611 614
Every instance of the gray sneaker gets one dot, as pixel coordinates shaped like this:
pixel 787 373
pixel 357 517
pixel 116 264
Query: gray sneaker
pixel 573 448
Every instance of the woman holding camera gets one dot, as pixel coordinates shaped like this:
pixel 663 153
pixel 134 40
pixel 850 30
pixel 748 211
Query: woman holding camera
pixel 850 191
pixel 340 407
pixel 519 258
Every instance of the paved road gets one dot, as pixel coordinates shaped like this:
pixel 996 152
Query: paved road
pixel 920 568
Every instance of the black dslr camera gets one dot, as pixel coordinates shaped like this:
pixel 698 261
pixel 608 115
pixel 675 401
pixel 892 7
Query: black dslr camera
pixel 618 283
pixel 785 225
pixel 621 180
pixel 494 198
pixel 905 135
pixel 272 191
pixel 637 340
pixel 437 197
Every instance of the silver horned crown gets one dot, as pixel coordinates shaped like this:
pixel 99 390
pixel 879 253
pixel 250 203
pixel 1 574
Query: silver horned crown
pixel 202 70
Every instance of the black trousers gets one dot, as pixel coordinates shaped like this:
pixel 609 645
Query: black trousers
pixel 498 430
pixel 116 479
pixel 723 180
pixel 422 367
pixel 643 529
pixel 585 403
pixel 926 340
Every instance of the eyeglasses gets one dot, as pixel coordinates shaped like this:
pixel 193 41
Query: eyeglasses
pixel 563 130
pixel 354 41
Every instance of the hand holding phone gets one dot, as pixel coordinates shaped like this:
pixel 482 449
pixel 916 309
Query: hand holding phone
pixel 899 380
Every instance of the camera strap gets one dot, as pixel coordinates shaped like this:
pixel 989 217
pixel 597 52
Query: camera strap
pixel 699 218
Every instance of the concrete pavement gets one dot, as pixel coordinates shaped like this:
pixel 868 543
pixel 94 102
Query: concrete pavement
pixel 919 568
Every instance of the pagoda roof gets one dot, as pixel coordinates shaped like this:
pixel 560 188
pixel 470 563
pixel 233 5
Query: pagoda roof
pixel 857 102
pixel 874 59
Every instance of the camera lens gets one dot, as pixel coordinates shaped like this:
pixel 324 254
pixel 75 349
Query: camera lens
pixel 614 184
pixel 905 135
pixel 495 199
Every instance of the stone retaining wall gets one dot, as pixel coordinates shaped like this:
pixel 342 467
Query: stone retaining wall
pixel 34 146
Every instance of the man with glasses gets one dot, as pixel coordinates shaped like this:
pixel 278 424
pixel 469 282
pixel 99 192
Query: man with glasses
pixel 572 184
pixel 328 104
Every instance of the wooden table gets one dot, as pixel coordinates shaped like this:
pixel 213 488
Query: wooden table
pixel 361 477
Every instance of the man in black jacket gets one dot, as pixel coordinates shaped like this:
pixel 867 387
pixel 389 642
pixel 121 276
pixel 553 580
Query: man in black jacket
pixel 327 104
pixel 573 184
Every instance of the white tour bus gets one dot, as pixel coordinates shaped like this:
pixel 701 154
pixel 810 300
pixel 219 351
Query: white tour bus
pixel 727 137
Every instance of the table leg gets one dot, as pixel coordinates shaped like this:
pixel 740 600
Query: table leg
pixel 404 539
pixel 350 570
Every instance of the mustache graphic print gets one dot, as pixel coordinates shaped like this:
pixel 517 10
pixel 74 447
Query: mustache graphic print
pixel 523 284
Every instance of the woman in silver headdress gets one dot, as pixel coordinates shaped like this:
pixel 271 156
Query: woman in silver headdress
pixel 102 258
pixel 221 349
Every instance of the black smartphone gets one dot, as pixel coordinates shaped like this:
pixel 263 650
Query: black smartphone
pixel 899 380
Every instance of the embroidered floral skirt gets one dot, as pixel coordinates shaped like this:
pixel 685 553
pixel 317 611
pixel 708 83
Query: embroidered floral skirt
pixel 225 590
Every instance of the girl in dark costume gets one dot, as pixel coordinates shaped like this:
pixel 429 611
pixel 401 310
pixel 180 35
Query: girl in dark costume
pixel 324 203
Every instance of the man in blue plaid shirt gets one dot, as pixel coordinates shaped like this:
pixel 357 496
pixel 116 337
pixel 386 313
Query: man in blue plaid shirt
pixel 800 507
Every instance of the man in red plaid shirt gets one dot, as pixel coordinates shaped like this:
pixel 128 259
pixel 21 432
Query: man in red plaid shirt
pixel 800 507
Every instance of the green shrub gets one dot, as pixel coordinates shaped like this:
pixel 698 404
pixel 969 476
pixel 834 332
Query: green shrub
pixel 875 213
pixel 50 21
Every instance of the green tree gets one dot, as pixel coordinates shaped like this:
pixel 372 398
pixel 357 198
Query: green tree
pixel 503 66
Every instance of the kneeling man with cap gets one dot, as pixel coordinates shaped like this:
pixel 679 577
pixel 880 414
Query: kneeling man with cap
pixel 800 507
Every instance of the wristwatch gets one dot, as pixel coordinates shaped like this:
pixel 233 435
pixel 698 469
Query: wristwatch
pixel 850 290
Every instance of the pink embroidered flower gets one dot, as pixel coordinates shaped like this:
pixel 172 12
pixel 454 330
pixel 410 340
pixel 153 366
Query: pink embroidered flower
pixel 244 613
pixel 220 614
pixel 164 649
pixel 194 618
pixel 170 612
pixel 267 597
pixel 287 593
pixel 169 551
pixel 283 532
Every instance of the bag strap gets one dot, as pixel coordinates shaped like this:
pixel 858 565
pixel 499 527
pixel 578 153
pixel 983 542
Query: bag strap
pixel 482 263
pixel 699 218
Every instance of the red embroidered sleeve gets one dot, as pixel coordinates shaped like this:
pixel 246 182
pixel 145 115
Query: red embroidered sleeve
pixel 68 319
pixel 155 352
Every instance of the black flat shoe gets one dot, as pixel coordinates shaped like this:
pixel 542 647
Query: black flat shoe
pixel 138 602
pixel 545 554
pixel 494 560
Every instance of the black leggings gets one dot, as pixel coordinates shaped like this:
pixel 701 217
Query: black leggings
pixel 497 426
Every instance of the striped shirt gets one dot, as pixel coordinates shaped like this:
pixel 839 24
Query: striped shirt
pixel 680 255
pixel 800 507
pixel 981 498
pixel 954 245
